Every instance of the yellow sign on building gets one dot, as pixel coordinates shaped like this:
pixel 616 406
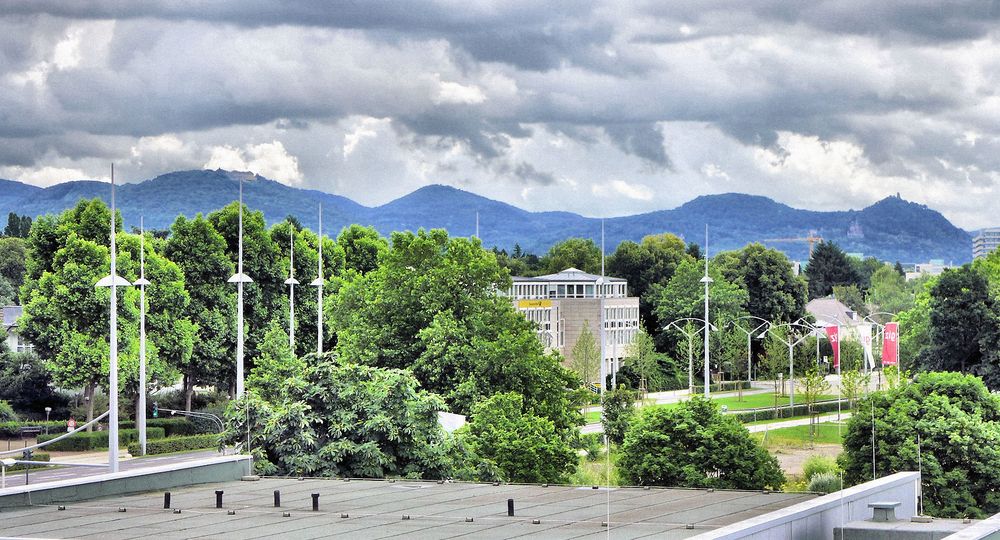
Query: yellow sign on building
pixel 527 304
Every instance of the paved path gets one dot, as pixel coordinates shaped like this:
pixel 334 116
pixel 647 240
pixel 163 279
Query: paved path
pixel 755 428
pixel 832 417
pixel 63 473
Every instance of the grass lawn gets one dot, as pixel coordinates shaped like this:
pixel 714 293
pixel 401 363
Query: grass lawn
pixel 756 401
pixel 799 436
pixel 592 417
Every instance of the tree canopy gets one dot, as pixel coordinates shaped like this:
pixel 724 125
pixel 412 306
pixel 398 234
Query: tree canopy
pixel 695 445
pixel 829 266
pixel 957 424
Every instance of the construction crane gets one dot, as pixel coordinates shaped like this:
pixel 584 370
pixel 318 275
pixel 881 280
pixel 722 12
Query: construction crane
pixel 812 238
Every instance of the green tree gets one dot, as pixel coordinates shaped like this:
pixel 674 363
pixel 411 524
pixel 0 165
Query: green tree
pixel 888 291
pixel 275 365
pixel 684 295
pixel 852 297
pixel 853 384
pixel 335 418
pixel 586 357
pixel 775 360
pixel 963 315
pixel 200 253
pixel 694 445
pixel 17 226
pixel 520 444
pixel 829 266
pixel 647 266
pixel 618 412
pixel 12 264
pixel 957 423
pixel 915 324
pixel 813 385
pixel 432 305
pixel 774 292
pixel 363 248
pixel 580 253
pixel 642 358
pixel 8 294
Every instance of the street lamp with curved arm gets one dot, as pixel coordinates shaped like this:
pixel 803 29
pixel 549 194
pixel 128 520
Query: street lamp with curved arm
pixel 791 348
pixel 676 325
pixel 750 334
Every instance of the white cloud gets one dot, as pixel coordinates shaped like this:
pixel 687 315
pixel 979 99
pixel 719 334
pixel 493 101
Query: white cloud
pixel 364 128
pixel 44 176
pixel 453 92
pixel 266 159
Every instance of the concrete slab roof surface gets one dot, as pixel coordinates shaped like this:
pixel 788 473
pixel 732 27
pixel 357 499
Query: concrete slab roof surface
pixel 375 509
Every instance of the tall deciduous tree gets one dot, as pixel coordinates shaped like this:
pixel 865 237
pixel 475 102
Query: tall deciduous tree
pixel 433 306
pixel 774 292
pixel 963 319
pixel 888 291
pixel 12 263
pixel 363 248
pixel 829 266
pixel 580 253
pixel 647 266
pixel 200 253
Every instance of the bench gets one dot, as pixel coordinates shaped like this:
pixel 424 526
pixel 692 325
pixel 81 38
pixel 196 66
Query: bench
pixel 32 431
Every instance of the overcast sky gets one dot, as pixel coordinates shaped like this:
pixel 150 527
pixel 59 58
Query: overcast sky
pixel 600 108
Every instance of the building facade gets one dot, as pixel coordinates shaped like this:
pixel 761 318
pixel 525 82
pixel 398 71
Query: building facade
pixel 562 304
pixel 986 241
pixel 8 319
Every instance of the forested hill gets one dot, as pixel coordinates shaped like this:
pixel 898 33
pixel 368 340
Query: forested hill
pixel 892 229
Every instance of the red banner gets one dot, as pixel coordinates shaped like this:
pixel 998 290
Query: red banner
pixel 833 334
pixel 890 344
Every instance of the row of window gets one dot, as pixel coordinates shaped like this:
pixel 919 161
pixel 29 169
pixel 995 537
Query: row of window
pixel 534 291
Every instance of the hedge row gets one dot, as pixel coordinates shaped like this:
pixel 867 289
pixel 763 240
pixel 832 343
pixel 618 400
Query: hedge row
pixel 176 444
pixel 729 386
pixel 172 426
pixel 96 440
pixel 10 430
pixel 35 456
pixel 770 413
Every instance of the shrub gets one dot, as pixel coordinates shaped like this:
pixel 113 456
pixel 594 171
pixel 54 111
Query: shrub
pixel 96 440
pixel 11 430
pixel 819 465
pixel 769 413
pixel 173 427
pixel 7 412
pixel 825 482
pixel 694 445
pixel 176 444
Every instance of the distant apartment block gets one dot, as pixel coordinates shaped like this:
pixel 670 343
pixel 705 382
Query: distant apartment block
pixel 934 267
pixel 986 241
pixel 561 304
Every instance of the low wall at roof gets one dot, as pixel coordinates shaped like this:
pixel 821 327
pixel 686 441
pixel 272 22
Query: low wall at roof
pixel 987 529
pixel 815 519
pixel 201 471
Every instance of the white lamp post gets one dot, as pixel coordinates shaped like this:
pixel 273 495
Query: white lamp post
pixel 113 280
pixel 239 278
pixel 791 359
pixel 318 283
pixel 707 281
pixel 690 335
pixel 291 282
pixel 750 334
pixel 141 283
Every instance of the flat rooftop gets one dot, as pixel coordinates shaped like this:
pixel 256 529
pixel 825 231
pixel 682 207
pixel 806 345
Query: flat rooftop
pixel 376 509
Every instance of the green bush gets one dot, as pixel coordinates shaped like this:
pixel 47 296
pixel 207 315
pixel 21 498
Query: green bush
pixel 35 456
pixel 10 430
pixel 176 444
pixel 96 440
pixel 825 482
pixel 173 427
pixel 7 413
pixel 819 465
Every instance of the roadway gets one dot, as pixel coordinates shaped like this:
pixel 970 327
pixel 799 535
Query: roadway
pixel 52 474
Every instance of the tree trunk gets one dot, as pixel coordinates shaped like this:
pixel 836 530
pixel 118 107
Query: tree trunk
pixel 88 394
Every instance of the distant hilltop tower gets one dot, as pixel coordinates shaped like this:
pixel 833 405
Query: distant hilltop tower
pixel 855 230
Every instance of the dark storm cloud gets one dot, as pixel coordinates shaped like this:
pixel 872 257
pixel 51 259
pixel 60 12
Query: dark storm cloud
pixel 912 84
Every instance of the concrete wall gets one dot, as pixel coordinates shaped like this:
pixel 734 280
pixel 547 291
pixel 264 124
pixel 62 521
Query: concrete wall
pixel 815 519
pixel 987 529
pixel 216 469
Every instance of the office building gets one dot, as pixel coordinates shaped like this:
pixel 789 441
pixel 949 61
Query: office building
pixel 986 241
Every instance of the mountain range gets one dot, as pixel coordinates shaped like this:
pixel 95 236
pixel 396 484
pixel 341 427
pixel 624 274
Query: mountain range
pixel 892 229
